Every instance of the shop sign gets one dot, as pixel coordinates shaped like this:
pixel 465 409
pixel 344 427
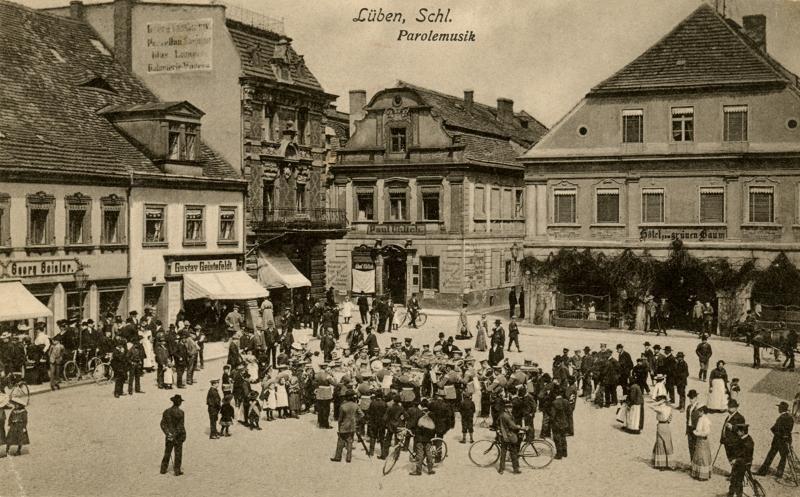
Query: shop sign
pixel 201 266
pixel 47 267
pixel 400 229
pixel 428 294
pixel 178 46
pixel 696 233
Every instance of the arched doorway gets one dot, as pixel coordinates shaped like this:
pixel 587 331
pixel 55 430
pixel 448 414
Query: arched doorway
pixel 394 272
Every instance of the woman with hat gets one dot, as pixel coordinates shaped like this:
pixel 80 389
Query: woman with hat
pixel 662 450
pixel 17 428
pixel 701 457
pixel 718 388
pixel 481 330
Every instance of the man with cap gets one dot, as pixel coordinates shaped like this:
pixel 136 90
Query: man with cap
pixel 413 310
pixel 214 403
pixel 704 353
pixel 174 435
pixel 56 358
pixel 408 349
pixel 376 423
pixel 120 365
pixel 692 415
pixel 781 440
pixel 349 414
pixel 509 436
pixel 741 459
pixel 728 438
pixel 587 364
pixel 681 375
pixel 233 322
pixel 625 368
pixel 639 375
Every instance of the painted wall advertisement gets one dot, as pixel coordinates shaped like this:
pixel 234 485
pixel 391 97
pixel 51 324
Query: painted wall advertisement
pixel 178 46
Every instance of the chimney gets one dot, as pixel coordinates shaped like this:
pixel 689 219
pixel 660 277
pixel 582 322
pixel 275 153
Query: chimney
pixel 76 9
pixel 756 28
pixel 358 100
pixel 123 13
pixel 468 99
pixel 505 110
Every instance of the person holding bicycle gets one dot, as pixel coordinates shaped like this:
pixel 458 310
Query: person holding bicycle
pixel 509 436
pixel 741 459
pixel 424 431
pixel 781 441
pixel 413 310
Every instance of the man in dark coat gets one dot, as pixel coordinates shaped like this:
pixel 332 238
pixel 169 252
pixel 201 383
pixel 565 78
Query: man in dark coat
pixel 120 365
pixel 349 414
pixel 363 308
pixel 175 434
pixel 376 423
pixel 135 362
pixel 681 378
pixel 442 415
pixel 162 359
pixel 371 342
pixel 625 367
pixel 781 441
pixel 742 458
pixel 667 368
pixel 180 356
pixel 611 379
pixel 214 404
pixel 639 375
pixel 509 437
pixel 559 422
pixel 728 437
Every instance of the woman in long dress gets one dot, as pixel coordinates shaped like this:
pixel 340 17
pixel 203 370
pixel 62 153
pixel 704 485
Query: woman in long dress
pixel 267 314
pixel 662 450
pixel 347 310
pixel 701 459
pixel 294 396
pixel 480 336
pixel 146 339
pixel 634 416
pixel 17 428
pixel 462 326
pixel 718 388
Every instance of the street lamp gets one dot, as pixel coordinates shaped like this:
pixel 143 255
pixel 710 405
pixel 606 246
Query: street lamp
pixel 81 278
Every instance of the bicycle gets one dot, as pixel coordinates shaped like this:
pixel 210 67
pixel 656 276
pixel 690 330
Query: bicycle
pixel 402 315
pixel 102 371
pixel 437 450
pixel 72 370
pixel 403 435
pixel 791 473
pixel 536 454
pixel 19 391
pixel 750 481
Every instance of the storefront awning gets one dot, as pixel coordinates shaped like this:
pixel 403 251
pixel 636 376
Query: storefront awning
pixel 232 285
pixel 277 271
pixel 18 303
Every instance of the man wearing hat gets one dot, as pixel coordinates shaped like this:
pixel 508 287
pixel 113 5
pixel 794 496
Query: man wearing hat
pixel 408 349
pixel 728 438
pixel 174 433
pixel 704 353
pixel 214 403
pixel 741 459
pixel 681 375
pixel 349 414
pixel 625 368
pixel 509 437
pixel 666 366
pixel 781 440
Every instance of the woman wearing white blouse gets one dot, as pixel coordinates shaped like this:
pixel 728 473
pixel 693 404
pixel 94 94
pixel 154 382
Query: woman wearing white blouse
pixel 701 460
pixel 662 450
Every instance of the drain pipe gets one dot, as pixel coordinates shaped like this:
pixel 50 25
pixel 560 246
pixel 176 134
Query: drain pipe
pixel 128 237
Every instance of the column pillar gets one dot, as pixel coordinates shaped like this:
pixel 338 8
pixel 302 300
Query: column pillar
pixel 379 274
pixel 530 211
pixel 409 275
pixel 93 303
pixel 733 208
pixel 634 208
pixel 541 209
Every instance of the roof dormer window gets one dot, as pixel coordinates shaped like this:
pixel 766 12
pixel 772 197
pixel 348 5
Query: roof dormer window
pixel 182 141
pixel 100 47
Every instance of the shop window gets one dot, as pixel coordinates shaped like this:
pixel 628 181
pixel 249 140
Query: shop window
pixel 607 205
pixel 113 229
pixel 5 220
pixel 682 124
pixel 653 205
pixel 154 227
pixel 430 205
pixel 519 204
pixel 193 226
pixel 227 224
pixel 762 204
pixel 712 205
pixel 300 198
pixel 397 205
pixel 430 273
pixel 79 217
pixel 633 126
pixel 110 302
pixel 398 140
pixel 365 205
pixel 735 125
pixel 41 219
pixel 564 206
pixel 480 203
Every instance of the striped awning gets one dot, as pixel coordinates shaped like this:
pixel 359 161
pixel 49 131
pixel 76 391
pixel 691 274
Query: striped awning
pixel 230 285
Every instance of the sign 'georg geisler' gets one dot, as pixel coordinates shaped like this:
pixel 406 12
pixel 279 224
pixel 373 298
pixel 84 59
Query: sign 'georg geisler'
pixel 178 46
pixel 693 233
pixel 48 267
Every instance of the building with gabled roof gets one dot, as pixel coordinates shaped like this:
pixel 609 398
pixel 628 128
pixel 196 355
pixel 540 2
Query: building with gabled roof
pixel 697 140
pixel 434 196
pixel 101 180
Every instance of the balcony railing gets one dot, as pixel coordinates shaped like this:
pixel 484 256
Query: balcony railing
pixel 303 219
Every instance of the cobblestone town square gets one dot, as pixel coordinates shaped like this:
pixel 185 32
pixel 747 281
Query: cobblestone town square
pixel 88 443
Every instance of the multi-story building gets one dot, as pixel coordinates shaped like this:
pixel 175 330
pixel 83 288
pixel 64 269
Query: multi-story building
pixel 265 114
pixel 697 139
pixel 434 197
pixel 110 199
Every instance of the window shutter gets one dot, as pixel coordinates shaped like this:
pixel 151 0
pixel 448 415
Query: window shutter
pixel 653 206
pixel 564 206
pixel 607 205
pixel 712 205
pixel 761 204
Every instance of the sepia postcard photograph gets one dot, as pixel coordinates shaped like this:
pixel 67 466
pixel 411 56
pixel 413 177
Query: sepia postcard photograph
pixel 399 247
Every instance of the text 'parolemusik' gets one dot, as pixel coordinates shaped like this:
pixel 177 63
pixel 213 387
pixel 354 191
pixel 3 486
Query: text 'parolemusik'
pixel 421 16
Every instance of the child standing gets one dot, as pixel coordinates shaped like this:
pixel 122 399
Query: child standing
pixel 253 411
pixel 168 376
pixel 227 382
pixel 735 389
pixel 467 410
pixel 226 416
pixel 17 428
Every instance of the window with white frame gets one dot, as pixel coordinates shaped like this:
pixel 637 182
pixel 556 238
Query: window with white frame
pixel 398 138
pixel 182 141
pixel 633 126
pixel 112 230
pixel 564 202
pixel 79 216
pixel 712 204
pixel 735 125
pixel 227 224
pixel 397 205
pixel 762 204
pixel 607 205
pixel 652 205
pixel 683 124
pixel 41 219
pixel 154 227
pixel 193 225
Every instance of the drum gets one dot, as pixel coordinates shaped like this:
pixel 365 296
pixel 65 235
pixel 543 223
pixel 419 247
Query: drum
pixel 376 365
pixel 324 392
pixel 407 395
pixel 364 402
pixel 450 392
pixel 386 383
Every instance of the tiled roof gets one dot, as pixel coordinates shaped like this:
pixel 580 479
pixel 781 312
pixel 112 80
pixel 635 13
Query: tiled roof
pixel 48 120
pixel 480 118
pixel 702 50
pixel 256 49
pixel 484 149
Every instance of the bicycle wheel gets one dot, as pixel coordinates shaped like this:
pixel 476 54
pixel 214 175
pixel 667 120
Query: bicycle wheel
pixel 391 459
pixel 20 393
pixel 484 453
pixel 791 475
pixel 93 362
pixel 422 318
pixel 758 490
pixel 71 371
pixel 437 450
pixel 537 454
pixel 400 318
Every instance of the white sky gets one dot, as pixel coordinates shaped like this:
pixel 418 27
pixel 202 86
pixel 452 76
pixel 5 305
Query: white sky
pixel 543 54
